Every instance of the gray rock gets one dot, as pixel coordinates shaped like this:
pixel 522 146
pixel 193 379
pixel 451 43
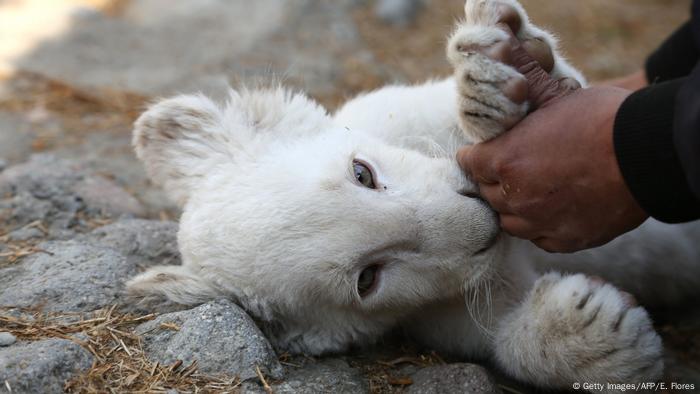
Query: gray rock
pixel 398 12
pixel 66 276
pixel 54 191
pixel 7 339
pixel 251 387
pixel 42 366
pixel 219 335
pixel 16 138
pixel 104 195
pixel 38 190
pixel 26 233
pixel 146 242
pixel 325 376
pixel 459 378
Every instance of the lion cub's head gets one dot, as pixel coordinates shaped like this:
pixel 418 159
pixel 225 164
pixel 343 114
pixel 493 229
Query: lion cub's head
pixel 326 233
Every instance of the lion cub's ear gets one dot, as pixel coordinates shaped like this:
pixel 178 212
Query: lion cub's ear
pixel 180 140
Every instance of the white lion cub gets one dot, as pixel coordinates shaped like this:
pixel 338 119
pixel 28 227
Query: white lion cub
pixel 332 230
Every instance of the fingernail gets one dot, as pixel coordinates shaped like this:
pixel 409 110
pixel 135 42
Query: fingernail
pixel 499 51
pixel 540 51
pixel 509 16
pixel 596 280
pixel 628 299
pixel 515 89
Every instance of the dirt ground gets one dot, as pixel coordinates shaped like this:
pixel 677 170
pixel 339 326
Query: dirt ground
pixel 603 38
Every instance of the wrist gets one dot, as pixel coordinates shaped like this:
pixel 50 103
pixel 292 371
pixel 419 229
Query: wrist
pixel 626 208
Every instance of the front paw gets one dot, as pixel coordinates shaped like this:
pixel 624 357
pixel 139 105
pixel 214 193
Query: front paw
pixel 493 92
pixel 492 95
pixel 583 330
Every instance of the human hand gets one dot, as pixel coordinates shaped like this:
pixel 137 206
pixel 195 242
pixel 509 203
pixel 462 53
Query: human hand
pixel 553 178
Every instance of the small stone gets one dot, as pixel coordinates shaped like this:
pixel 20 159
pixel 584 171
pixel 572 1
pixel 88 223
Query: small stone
pixel 398 12
pixel 219 335
pixel 42 366
pixel 7 339
pixel 458 378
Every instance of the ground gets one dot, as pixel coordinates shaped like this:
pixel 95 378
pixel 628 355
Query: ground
pixel 74 74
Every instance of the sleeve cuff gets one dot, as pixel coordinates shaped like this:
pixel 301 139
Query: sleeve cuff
pixel 675 58
pixel 646 155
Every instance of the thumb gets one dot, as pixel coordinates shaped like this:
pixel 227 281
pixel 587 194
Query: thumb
pixel 542 88
pixel 476 162
pixel 463 158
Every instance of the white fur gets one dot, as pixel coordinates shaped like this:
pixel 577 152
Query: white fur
pixel 274 218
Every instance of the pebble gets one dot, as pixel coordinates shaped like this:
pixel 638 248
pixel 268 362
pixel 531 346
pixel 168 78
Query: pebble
pixel 7 339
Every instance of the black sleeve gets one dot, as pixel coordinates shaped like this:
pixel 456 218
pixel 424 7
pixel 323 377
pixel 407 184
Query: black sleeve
pixel 645 138
pixel 656 133
pixel 686 131
pixel 675 58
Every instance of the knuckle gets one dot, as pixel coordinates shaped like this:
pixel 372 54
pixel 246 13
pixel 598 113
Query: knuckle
pixel 475 160
pixel 504 168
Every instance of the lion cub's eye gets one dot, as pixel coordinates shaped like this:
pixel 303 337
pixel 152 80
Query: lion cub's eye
pixel 363 174
pixel 366 280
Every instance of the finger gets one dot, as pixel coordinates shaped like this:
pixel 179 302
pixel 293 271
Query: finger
pixel 519 227
pixel 542 88
pixel 546 244
pixel 509 16
pixel 540 50
pixel 533 58
pixel 515 89
pixel 494 195
pixel 476 162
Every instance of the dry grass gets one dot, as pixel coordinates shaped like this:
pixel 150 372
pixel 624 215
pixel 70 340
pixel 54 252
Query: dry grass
pixel 386 377
pixel 46 102
pixel 120 364
pixel 19 250
pixel 15 251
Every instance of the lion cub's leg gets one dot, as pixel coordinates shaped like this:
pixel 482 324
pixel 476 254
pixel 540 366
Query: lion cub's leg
pixel 492 94
pixel 577 329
